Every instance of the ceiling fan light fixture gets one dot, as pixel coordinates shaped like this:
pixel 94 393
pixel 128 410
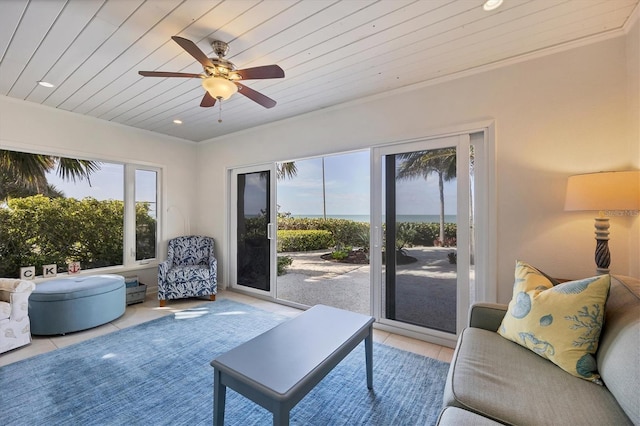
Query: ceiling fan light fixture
pixel 490 5
pixel 219 87
pixel 220 75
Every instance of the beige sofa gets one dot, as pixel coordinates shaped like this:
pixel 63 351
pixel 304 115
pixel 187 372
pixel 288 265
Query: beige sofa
pixel 495 381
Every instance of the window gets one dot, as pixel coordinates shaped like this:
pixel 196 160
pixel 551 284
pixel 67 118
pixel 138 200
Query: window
pixel 146 213
pixel 56 210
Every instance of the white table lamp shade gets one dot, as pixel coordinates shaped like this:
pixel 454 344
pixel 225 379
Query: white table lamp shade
pixel 604 191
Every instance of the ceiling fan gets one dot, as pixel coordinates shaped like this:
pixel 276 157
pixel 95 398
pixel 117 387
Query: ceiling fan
pixel 220 77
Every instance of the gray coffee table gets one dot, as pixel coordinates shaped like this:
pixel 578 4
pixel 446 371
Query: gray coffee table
pixel 279 367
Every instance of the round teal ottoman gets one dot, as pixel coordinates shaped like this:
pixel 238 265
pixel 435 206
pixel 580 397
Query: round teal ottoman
pixel 64 305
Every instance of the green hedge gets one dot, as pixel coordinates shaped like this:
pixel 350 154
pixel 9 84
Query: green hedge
pixel 356 234
pixel 424 234
pixel 37 230
pixel 304 240
pixel 344 232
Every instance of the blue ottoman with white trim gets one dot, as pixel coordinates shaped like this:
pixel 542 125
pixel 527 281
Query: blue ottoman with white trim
pixel 64 305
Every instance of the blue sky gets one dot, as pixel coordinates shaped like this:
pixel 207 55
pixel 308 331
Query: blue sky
pixel 106 184
pixel 346 186
pixel 347 183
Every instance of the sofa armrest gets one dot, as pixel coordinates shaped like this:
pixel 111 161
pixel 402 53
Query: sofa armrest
pixel 213 267
pixel 486 315
pixel 163 270
pixel 14 285
pixel 19 305
pixel 16 292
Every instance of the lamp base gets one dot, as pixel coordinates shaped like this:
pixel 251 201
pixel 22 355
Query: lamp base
pixel 602 256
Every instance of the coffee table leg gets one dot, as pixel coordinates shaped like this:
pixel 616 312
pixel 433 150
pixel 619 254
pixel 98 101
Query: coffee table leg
pixel 281 417
pixel 368 347
pixel 219 396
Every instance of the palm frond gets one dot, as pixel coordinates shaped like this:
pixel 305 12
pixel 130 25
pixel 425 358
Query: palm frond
pixel 420 164
pixel 27 169
pixel 26 173
pixel 286 170
pixel 72 169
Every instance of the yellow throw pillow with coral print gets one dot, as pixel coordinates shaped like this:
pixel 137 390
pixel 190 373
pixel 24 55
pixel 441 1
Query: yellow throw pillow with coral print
pixel 559 322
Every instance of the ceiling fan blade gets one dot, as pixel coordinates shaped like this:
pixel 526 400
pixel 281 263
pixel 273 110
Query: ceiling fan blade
pixel 168 74
pixel 266 71
pixel 258 97
pixel 207 100
pixel 193 50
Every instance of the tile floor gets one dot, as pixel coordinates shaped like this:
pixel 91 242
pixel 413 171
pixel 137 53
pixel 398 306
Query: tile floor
pixel 149 310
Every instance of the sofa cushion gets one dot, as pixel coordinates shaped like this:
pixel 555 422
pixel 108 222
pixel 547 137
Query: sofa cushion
pixel 561 323
pixel 504 381
pixel 455 417
pixel 189 273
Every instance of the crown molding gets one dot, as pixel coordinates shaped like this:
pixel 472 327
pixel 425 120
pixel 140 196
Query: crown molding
pixel 633 18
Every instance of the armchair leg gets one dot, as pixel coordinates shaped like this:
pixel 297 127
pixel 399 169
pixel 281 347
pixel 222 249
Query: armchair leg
pixel 213 297
pixel 162 303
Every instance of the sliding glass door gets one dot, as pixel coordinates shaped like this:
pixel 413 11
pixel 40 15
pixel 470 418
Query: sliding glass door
pixel 327 195
pixel 422 229
pixel 429 252
pixel 252 218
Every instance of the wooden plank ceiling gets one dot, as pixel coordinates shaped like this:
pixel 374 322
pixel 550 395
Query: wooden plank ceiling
pixel 332 51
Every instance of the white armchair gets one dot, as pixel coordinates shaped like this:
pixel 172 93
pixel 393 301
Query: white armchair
pixel 14 313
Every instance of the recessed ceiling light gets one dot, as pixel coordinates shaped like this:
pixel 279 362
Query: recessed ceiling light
pixel 491 5
pixel 176 121
pixel 45 84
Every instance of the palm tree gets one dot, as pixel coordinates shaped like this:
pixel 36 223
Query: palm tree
pixel 23 173
pixel 12 187
pixel 420 164
pixel 286 170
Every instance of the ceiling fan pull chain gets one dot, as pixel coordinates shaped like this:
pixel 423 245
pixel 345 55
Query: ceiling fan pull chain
pixel 220 111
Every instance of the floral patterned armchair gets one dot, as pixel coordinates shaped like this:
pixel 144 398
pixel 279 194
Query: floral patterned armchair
pixel 189 271
pixel 15 328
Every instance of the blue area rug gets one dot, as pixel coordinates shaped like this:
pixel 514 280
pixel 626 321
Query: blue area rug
pixel 158 373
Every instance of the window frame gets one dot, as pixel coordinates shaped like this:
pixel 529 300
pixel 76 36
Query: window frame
pixel 129 262
pixel 130 225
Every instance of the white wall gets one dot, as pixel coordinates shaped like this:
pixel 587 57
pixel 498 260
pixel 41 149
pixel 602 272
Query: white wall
pixel 557 115
pixel 32 127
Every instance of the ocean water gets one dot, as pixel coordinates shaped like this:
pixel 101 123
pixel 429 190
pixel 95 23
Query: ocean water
pixel 416 218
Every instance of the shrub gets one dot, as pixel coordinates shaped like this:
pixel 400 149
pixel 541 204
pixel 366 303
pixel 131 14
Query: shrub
pixel 283 263
pixel 427 233
pixel 339 254
pixel 406 233
pixel 344 232
pixel 38 231
pixel 363 239
pixel 349 233
pixel 303 240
